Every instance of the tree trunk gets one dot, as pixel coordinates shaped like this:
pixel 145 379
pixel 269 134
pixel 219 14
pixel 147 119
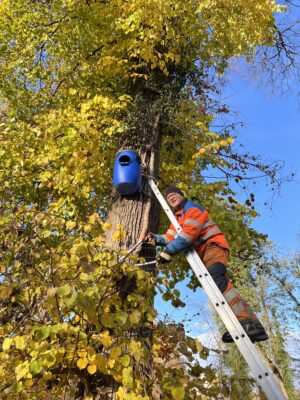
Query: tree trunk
pixel 138 213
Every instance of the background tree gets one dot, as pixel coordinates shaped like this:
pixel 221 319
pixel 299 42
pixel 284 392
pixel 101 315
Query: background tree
pixel 278 66
pixel 270 283
pixel 79 81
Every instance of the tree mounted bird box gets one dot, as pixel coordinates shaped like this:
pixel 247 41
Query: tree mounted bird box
pixel 127 176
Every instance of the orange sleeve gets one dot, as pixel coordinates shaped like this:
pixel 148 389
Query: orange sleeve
pixel 171 233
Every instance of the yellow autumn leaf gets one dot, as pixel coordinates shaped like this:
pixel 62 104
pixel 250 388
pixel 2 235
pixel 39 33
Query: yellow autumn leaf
pixel 119 233
pixel 47 375
pixel 223 142
pixel 87 228
pixel 20 342
pixel 82 363
pixel 106 226
pixel 111 363
pixel 121 393
pixel 93 218
pixel 7 343
pixel 92 369
pixel 22 370
pixel 136 350
pixel 70 225
pixel 106 339
pixel 5 292
pixel 135 317
pixel 127 379
pixel 98 240
pixel 178 393
pixel 28 383
pixel 82 353
pixel 51 292
pixel 101 362
pixel 125 360
pixel 115 352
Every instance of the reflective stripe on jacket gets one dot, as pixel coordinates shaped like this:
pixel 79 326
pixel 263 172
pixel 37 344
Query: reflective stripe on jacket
pixel 197 230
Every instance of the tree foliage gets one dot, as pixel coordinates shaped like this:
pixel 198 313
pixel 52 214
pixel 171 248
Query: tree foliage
pixel 271 284
pixel 76 77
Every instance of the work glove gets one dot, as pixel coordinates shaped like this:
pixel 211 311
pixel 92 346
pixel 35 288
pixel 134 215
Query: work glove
pixel 164 257
pixel 148 238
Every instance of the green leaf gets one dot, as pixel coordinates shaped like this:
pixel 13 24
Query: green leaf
pixel 17 387
pixel 48 360
pixel 42 333
pixel 107 320
pixel 114 320
pixel 196 370
pixel 35 367
pixel 199 346
pixel 64 290
pixel 141 274
pixel 125 360
pixel 127 377
pixel 121 317
pixel 69 301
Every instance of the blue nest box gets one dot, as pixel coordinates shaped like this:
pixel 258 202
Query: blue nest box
pixel 127 177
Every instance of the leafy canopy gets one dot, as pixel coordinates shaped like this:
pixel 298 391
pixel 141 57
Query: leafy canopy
pixel 73 74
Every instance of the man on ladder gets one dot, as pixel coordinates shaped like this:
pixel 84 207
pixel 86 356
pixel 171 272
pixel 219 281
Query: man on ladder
pixel 200 231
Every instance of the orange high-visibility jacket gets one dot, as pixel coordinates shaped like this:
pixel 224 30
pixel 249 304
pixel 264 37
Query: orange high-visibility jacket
pixel 197 230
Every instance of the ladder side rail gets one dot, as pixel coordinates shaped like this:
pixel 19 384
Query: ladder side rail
pixel 259 369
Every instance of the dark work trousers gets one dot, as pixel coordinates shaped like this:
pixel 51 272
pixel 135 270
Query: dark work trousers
pixel 215 258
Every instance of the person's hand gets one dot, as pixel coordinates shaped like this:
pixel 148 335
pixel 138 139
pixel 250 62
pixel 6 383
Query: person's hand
pixel 164 257
pixel 149 237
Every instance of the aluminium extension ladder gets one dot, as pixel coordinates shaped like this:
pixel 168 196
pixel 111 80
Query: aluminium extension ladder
pixel 261 372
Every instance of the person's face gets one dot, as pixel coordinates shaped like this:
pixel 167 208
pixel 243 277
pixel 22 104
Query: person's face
pixel 175 199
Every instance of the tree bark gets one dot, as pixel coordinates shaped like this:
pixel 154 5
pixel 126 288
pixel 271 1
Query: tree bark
pixel 138 213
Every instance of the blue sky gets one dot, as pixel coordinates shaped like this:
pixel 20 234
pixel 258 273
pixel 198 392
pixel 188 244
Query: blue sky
pixel 272 129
